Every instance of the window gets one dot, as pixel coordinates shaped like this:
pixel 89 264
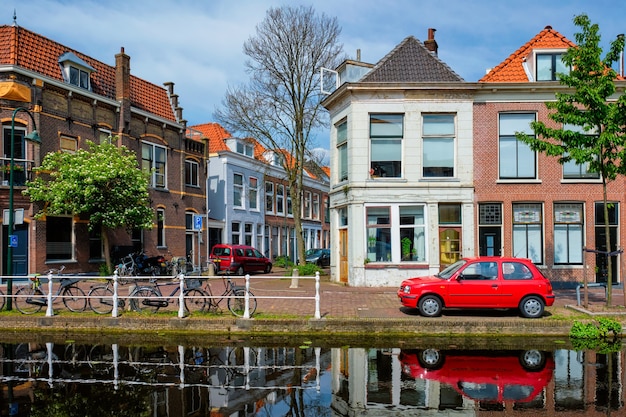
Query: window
pixel 59 238
pixel 517 160
pixel 574 170
pixel 327 209
pixel 253 193
pixel 289 204
pixel 238 190
pixel 104 136
pixel 379 234
pixel 516 271
pixel 235 233
pixel 395 233
pixel 490 229
pixel 316 206
pixel 245 149
pixel 247 236
pixel 549 65
pixel 269 197
pixel 160 227
pixel 280 199
pixel 438 136
pixel 19 153
pixel 342 150
pixel 191 173
pixel 568 233
pixel 95 245
pixel 306 208
pixel 386 132
pixel 412 234
pixel 79 78
pixel 68 144
pixel 153 160
pixel 527 235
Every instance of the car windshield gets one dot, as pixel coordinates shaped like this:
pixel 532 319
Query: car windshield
pixel 313 252
pixel 450 270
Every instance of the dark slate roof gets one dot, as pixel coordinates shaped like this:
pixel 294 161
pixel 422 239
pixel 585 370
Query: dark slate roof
pixel 410 62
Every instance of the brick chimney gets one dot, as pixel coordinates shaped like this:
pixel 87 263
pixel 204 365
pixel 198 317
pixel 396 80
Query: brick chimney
pixel 122 89
pixel 431 43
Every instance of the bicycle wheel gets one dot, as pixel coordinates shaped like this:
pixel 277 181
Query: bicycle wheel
pixel 2 300
pixel 146 299
pixel 74 299
pixel 237 305
pixel 101 299
pixel 29 300
pixel 196 301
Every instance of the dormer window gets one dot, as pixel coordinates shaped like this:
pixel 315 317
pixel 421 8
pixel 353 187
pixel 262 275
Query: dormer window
pixel 245 149
pixel 549 65
pixel 75 71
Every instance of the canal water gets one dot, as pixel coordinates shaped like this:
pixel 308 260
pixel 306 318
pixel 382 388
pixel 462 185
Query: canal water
pixel 46 378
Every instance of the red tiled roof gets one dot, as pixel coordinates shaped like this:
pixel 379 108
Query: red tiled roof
pixel 216 135
pixel 512 70
pixel 31 51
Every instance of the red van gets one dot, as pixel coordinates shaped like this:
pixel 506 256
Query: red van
pixel 239 259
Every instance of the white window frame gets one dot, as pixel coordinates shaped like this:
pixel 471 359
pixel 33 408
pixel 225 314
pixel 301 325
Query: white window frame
pixel 160 229
pixel 342 150
pixel 280 199
pixel 522 152
pixel 269 197
pixel 528 237
pixel 439 139
pixel 569 230
pixel 149 163
pixel 238 190
pixel 253 193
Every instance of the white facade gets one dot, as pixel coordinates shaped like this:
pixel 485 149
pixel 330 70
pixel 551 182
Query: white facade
pixel 362 190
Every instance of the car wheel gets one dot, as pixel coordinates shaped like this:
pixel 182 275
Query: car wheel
pixel 532 307
pixel 430 359
pixel 240 271
pixel 430 306
pixel 532 360
pixel 268 268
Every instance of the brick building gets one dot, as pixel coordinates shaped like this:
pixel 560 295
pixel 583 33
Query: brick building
pixel 73 98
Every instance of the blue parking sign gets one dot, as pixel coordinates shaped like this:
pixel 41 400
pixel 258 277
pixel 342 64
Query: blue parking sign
pixel 197 222
pixel 13 241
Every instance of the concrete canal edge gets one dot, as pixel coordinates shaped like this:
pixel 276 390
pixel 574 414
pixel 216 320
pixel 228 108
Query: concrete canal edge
pixel 453 326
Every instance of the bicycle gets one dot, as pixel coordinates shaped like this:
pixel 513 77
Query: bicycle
pixel 100 298
pixel 150 298
pixel 235 298
pixel 30 299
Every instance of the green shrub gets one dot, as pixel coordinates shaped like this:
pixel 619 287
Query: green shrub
pixel 601 335
pixel 283 262
pixel 308 269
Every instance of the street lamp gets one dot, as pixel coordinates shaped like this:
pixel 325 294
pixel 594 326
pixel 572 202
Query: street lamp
pixel 34 137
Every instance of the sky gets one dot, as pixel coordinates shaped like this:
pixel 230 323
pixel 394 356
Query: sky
pixel 197 44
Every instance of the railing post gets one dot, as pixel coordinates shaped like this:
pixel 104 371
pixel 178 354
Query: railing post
pixel 246 297
pixel 317 295
pixel 181 297
pixel 181 365
pixel 115 295
pixel 49 310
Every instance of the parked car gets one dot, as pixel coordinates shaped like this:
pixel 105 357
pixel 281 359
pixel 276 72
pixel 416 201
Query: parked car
pixel 239 259
pixel 486 376
pixel 482 282
pixel 319 257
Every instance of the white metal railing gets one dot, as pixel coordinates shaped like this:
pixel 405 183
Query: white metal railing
pixel 49 282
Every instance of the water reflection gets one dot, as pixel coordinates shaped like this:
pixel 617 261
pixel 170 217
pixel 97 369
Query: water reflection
pixel 109 379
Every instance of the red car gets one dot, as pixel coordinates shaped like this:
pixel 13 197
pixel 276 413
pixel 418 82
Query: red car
pixel 490 376
pixel 482 282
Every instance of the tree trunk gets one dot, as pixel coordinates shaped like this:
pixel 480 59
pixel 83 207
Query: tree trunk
pixel 609 273
pixel 104 233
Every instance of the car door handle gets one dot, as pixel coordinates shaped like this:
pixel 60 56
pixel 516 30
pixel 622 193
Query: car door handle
pixel 494 285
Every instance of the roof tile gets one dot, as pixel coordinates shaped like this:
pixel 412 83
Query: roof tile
pixel 31 51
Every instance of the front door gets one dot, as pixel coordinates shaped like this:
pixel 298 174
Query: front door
pixel 19 266
pixel 343 255
pixel 489 241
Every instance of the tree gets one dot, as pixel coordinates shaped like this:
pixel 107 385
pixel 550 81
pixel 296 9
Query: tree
pixel 103 182
pixel 594 119
pixel 280 107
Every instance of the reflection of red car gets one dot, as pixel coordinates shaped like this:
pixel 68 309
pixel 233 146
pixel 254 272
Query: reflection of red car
pixel 483 282
pixel 490 376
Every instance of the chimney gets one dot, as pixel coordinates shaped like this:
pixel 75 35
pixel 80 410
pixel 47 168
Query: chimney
pixel 122 76
pixel 431 43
